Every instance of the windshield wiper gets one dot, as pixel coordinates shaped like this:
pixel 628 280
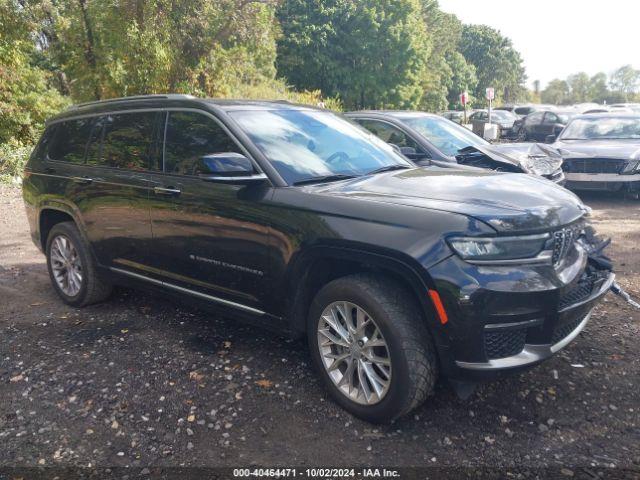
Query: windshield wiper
pixel 323 178
pixel 388 168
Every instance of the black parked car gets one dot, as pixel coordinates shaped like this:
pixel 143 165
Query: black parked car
pixel 539 126
pixel 426 139
pixel 298 220
pixel 602 152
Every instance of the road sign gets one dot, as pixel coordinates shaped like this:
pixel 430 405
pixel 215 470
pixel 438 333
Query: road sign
pixel 464 98
pixel 491 94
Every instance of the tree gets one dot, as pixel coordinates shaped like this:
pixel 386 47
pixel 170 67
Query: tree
pixel 498 64
pixel 463 77
pixel 626 80
pixel 113 48
pixel 598 91
pixel 370 53
pixel 579 85
pixel 557 92
pixel 27 96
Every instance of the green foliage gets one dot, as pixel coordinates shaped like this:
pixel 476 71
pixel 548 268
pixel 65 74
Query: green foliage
pixel 369 53
pixel 580 88
pixel 26 95
pixel 497 63
pixel 13 157
pixel 557 92
pixel 626 81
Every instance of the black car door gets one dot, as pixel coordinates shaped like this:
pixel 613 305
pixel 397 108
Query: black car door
pixel 210 238
pixel 551 120
pixel 111 188
pixel 532 125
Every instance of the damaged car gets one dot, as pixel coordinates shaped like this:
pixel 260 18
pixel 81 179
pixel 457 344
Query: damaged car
pixel 294 219
pixel 601 152
pixel 427 139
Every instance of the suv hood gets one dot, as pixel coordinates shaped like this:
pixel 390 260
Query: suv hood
pixel 619 149
pixel 533 158
pixel 508 202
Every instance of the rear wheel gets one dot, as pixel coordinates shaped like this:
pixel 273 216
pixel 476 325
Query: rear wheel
pixel 370 346
pixel 72 269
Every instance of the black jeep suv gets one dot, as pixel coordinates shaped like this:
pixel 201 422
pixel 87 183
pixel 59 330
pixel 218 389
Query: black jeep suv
pixel 301 221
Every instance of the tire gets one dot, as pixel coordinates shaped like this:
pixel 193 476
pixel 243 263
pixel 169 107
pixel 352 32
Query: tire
pixel 413 365
pixel 88 287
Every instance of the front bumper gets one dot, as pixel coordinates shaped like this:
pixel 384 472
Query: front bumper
pixel 602 181
pixel 572 321
pixel 507 318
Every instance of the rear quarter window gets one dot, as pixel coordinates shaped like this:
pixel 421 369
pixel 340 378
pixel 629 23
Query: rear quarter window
pixel 70 140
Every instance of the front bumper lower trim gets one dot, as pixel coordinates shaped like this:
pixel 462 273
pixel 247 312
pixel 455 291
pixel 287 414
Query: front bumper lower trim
pixel 601 177
pixel 529 355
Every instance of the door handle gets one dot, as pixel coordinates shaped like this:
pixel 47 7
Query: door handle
pixel 82 180
pixel 166 191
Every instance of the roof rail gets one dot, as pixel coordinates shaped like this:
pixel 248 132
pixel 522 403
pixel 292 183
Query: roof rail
pixel 135 97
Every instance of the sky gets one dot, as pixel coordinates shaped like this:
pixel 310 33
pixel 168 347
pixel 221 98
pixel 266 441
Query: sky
pixel 559 37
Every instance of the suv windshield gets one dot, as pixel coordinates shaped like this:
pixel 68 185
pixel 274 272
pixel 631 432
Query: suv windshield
pixel 602 128
pixel 446 136
pixel 304 145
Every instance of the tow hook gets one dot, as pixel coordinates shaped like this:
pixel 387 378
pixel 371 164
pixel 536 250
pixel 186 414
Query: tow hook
pixel 618 290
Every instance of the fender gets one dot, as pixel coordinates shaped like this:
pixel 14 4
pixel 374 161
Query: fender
pixel 63 206
pixel 416 277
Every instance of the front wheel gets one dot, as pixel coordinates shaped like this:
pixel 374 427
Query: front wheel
pixel 370 345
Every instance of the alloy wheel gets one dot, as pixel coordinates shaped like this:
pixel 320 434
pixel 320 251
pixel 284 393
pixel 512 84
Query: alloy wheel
pixel 66 265
pixel 354 352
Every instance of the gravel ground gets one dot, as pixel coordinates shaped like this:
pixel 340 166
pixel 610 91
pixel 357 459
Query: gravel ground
pixel 143 381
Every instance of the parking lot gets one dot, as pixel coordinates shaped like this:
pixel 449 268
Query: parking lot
pixel 141 380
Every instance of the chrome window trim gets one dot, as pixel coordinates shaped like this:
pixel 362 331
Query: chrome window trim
pixel 233 137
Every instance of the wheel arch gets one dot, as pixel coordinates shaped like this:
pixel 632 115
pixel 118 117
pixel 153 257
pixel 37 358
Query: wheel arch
pixel 317 266
pixel 52 213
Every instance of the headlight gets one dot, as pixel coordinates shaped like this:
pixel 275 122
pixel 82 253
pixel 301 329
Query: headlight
pixel 631 167
pixel 497 250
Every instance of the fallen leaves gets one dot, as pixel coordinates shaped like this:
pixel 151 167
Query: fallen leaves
pixel 264 383
pixel 17 378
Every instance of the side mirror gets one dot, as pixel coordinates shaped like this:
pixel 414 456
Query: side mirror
pixel 550 138
pixel 557 129
pixel 407 151
pixel 412 154
pixel 229 167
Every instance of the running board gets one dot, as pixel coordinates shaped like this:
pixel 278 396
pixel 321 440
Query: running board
pixel 193 293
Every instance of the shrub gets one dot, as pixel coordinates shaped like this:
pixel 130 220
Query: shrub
pixel 13 157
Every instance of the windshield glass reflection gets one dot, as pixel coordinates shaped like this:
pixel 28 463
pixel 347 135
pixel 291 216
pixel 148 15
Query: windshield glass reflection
pixel 448 137
pixel 307 144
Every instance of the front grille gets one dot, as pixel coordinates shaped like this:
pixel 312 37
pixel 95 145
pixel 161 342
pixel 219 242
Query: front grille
pixel 593 165
pixel 563 330
pixel 504 343
pixel 564 239
pixel 581 290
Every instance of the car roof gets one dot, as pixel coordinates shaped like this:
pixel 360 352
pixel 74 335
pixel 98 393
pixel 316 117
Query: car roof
pixel 173 101
pixel 392 113
pixel 609 115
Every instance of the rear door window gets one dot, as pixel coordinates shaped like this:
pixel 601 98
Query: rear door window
pixel 534 118
pixel 190 136
pixel 127 141
pixel 70 141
